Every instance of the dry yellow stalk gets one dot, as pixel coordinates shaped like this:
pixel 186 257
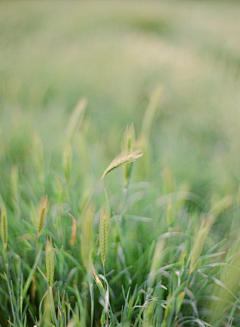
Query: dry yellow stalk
pixel 125 157
pixel 42 212
pixel 50 262
pixel 99 283
pixel 74 230
pixel 104 232
pixel 59 312
pixel 4 226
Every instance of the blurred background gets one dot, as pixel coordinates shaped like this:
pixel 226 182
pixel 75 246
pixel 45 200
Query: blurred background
pixel 116 54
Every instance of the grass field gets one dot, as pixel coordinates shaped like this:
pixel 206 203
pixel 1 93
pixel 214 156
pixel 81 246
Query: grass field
pixel 154 242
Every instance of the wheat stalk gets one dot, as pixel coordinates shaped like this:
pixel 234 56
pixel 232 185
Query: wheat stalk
pixel 125 157
pixel 86 237
pixel 104 232
pixel 42 211
pixel 4 226
pixel 50 261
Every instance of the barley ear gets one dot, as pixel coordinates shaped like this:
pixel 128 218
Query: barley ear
pixel 42 212
pixel 50 262
pixel 4 226
pixel 104 232
pixel 125 157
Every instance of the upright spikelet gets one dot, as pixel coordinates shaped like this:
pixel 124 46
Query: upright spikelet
pixel 50 262
pixel 124 157
pixel 4 226
pixel 42 212
pixel 151 110
pixel 128 144
pixel 104 232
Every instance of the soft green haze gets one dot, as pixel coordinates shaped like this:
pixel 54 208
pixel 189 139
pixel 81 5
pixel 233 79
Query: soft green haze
pixel 73 76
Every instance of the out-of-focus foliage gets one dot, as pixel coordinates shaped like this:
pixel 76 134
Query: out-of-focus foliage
pixel 73 75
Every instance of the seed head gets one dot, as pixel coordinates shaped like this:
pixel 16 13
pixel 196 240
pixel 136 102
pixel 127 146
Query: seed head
pixel 104 232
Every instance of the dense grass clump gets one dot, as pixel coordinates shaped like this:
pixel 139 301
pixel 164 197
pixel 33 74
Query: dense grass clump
pixel 105 222
pixel 148 256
